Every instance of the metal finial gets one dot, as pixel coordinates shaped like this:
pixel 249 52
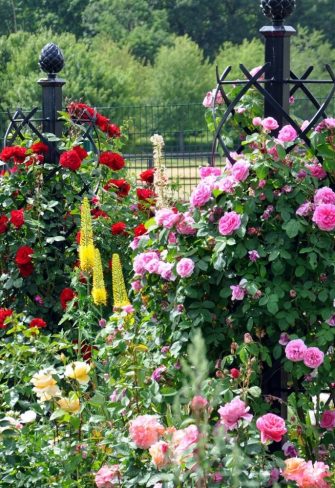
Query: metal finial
pixel 277 10
pixel 51 59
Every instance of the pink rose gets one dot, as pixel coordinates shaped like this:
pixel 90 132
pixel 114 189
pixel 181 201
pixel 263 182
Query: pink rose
pixel 257 121
pixel 142 259
pixel 166 217
pixel 240 170
pixel 208 101
pixel 165 271
pixel 200 195
pixel 108 476
pixel 145 430
pixel 254 72
pixel 136 285
pixel 182 442
pixel 324 195
pixel 152 266
pixel 324 216
pixel 287 134
pixel 237 292
pixel 295 350
pixel 157 373
pixel 185 267
pixel 313 357
pixel 312 476
pixel 198 403
pixel 269 124
pixel 233 412
pixel 172 239
pixel 230 222
pixel 305 209
pixel 271 427
pixel 185 225
pixel 159 453
pixel 316 170
pixel 273 151
pixel 328 420
pixel 304 125
pixel 226 184
pixel 209 171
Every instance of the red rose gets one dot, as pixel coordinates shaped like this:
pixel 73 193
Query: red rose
pixel 96 212
pixel 148 175
pixel 82 153
pixel 85 350
pixel 66 296
pixel 17 153
pixel 234 373
pixel 113 160
pixel 26 270
pixel 70 160
pixel 4 313
pixel 23 255
pixel 113 130
pixel 3 224
pixel 102 122
pixel 122 187
pixel 39 148
pixel 17 218
pixel 140 230
pixel 145 194
pixel 118 228
pixel 37 323
pixel 81 112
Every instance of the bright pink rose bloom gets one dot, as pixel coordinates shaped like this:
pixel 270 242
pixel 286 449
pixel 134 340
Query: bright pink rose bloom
pixel 172 239
pixel 136 285
pixel 185 267
pixel 185 225
pixel 295 350
pixel 165 271
pixel 240 170
pixel 152 265
pixel 316 170
pixel 328 420
pixel 269 124
pixel 271 427
pixel 273 151
pixel 324 216
pixel 237 292
pixel 313 357
pixel 145 430
pixel 226 184
pixel 305 209
pixel 200 195
pixel 142 259
pixel 209 171
pixel 313 476
pixel 108 476
pixel 324 195
pixel 287 134
pixel 230 222
pixel 184 441
pixel 158 373
pixel 257 121
pixel 233 412
pixel 166 217
pixel 159 453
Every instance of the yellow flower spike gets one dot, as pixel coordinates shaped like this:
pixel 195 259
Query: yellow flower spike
pixel 86 246
pixel 120 296
pixel 99 292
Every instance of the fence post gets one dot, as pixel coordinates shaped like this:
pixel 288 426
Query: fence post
pixel 51 61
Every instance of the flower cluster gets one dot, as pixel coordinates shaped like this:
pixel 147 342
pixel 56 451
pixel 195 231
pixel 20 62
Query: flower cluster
pixel 82 113
pixel 296 350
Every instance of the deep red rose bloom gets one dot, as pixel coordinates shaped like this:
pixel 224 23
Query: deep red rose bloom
pixel 26 270
pixel 122 187
pixel 140 230
pixel 66 296
pixel 113 130
pixel 145 194
pixel 102 122
pixel 113 160
pixel 82 153
pixel 17 218
pixel 37 323
pixel 118 228
pixel 81 112
pixel 3 224
pixel 17 153
pixel 4 313
pixel 147 175
pixel 234 373
pixel 39 148
pixel 85 350
pixel 70 160
pixel 96 212
pixel 23 255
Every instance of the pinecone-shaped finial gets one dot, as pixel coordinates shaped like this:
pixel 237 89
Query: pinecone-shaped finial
pixel 51 59
pixel 277 10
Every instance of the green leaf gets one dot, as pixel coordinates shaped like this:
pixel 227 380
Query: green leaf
pixel 255 391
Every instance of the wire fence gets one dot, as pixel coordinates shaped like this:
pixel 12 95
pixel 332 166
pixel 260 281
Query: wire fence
pixel 187 139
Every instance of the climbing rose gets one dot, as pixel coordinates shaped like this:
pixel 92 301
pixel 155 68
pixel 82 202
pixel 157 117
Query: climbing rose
pixel 39 148
pixel 40 323
pixel 328 420
pixel 295 350
pixel 121 187
pixel 17 218
pixel 269 124
pixel 240 170
pixel 3 224
pixel 313 357
pixel 198 403
pixel 166 217
pixel 4 313
pixel 200 195
pixel 185 267
pixel 182 441
pixel 118 228
pixel 230 222
pixel 287 134
pixel 17 153
pixel 145 430
pixel 233 412
pixel 113 160
pixel 271 427
pixel 324 216
pixel 140 230
pixel 70 160
pixel 145 194
pixel 316 170
pixel 108 476
pixel 66 296
pixel 81 152
pixel 237 292
pixel 23 255
pixel 147 176
pixel 209 171
pixel 324 195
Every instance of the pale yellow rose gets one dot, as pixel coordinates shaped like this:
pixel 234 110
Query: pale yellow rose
pixel 45 386
pixel 70 404
pixel 78 371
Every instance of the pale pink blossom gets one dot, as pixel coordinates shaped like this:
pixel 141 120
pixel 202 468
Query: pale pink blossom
pixel 240 170
pixel 108 476
pixel 141 260
pixel 237 292
pixel 287 134
pixel 230 222
pixel 165 271
pixel 272 428
pixel 184 441
pixel 209 171
pixel 269 124
pixel 208 101
pixel 324 216
pixel 200 195
pixel 226 184
pixel 295 350
pixel 328 420
pixel 313 476
pixel 257 121
pixel 233 412
pixel 128 309
pixel 185 267
pixel 166 217
pixel 198 403
pixel 152 266
pixel 304 125
pixel 145 430
pixel 324 195
pixel 159 453
pixel 313 357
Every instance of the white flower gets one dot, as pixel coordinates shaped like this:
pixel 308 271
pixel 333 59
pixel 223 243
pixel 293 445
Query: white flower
pixel 28 417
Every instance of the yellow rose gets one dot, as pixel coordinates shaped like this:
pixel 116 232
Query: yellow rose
pixel 45 386
pixel 78 371
pixel 70 404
